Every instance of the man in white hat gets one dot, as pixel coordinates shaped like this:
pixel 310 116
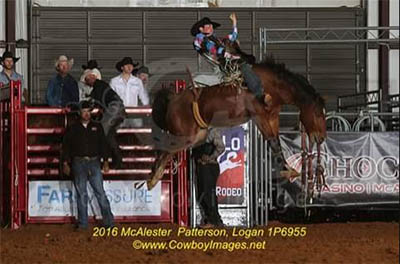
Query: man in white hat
pixel 112 107
pixel 62 88
pixel 84 89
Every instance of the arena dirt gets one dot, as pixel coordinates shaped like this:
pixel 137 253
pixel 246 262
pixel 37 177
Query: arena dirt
pixel 372 242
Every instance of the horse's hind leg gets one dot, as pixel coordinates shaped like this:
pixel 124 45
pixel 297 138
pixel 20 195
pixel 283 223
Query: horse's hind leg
pixel 159 168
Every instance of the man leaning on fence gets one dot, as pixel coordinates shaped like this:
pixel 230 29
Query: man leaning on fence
pixel 83 147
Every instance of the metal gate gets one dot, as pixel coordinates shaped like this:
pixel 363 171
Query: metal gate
pixel 31 144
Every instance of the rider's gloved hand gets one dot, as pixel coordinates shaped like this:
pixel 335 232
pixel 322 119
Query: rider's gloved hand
pixel 227 55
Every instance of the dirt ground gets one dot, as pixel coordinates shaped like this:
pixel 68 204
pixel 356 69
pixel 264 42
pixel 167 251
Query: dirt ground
pixel 371 242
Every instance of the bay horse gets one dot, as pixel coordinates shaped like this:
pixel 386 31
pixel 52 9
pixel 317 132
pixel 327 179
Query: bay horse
pixel 227 105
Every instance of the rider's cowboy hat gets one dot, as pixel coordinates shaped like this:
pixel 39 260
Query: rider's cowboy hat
pixel 92 64
pixel 201 23
pixel 125 61
pixel 8 54
pixel 64 58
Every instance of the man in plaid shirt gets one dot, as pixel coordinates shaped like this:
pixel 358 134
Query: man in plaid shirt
pixel 207 42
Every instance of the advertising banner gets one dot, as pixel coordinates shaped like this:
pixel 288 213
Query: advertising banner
pixel 58 198
pixel 360 169
pixel 230 184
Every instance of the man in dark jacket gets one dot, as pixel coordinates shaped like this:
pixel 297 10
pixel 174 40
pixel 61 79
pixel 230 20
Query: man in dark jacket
pixel 113 112
pixel 62 88
pixel 207 169
pixel 83 146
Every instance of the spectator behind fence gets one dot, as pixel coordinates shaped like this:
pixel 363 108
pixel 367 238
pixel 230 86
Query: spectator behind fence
pixel 9 74
pixel 84 89
pixel 143 74
pixel 129 88
pixel 207 173
pixel 62 88
pixel 113 110
pixel 83 146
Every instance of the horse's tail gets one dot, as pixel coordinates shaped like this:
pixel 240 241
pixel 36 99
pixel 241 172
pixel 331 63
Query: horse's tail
pixel 160 106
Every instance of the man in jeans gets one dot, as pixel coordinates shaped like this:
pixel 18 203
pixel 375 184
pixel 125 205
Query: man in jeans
pixel 207 169
pixel 83 145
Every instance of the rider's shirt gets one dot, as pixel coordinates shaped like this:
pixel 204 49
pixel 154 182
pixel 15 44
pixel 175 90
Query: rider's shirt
pixel 212 44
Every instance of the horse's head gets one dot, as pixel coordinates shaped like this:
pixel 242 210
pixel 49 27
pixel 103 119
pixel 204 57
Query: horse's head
pixel 312 116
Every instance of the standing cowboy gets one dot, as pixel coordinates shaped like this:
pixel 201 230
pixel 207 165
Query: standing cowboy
pixel 206 41
pixel 9 74
pixel 129 88
pixel 143 74
pixel 83 147
pixel 208 171
pixel 62 88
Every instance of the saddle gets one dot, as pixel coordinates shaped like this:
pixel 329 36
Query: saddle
pixel 230 68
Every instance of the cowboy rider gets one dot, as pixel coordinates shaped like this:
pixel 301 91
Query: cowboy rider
pixel 207 42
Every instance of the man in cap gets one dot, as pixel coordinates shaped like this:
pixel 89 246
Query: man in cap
pixel 83 147
pixel 112 107
pixel 129 88
pixel 143 74
pixel 62 88
pixel 207 42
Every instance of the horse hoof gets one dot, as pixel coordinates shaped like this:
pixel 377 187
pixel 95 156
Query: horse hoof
pixel 150 185
pixel 291 175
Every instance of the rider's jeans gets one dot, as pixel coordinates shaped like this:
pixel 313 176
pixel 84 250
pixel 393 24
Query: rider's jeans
pixel 253 81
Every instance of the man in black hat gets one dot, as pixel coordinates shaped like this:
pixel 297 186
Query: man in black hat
pixel 129 88
pixel 207 42
pixel 9 74
pixel 206 39
pixel 83 147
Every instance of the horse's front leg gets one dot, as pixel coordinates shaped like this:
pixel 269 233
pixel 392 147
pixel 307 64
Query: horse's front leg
pixel 285 170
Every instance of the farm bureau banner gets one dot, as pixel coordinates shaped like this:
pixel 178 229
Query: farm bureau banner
pixel 58 198
pixel 360 169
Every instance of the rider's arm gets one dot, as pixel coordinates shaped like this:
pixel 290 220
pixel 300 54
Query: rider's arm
pixel 198 43
pixel 234 35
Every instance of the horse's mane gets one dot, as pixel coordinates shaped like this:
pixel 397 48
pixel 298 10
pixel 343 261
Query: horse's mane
pixel 304 91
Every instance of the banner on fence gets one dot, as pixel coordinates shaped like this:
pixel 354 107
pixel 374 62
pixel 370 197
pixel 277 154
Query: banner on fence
pixel 230 184
pixel 360 169
pixel 58 198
